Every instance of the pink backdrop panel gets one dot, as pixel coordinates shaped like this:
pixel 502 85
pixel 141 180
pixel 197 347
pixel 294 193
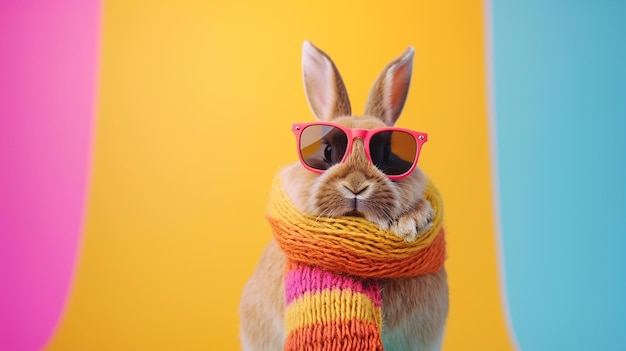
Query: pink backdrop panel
pixel 48 77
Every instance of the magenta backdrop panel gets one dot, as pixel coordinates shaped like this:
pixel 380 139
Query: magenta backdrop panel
pixel 48 78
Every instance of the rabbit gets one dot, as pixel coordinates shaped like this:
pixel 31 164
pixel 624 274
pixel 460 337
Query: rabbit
pixel 414 309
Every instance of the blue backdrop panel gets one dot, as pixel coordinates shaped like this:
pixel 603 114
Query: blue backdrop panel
pixel 560 107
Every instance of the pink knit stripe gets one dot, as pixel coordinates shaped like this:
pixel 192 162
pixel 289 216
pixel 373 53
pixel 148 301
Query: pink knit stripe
pixel 304 279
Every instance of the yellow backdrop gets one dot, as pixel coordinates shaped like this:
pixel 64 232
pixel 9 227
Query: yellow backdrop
pixel 195 104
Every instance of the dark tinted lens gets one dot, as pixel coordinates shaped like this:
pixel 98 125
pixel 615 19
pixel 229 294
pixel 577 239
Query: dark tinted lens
pixel 322 146
pixel 393 152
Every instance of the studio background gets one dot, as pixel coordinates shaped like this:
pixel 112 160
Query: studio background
pixel 139 141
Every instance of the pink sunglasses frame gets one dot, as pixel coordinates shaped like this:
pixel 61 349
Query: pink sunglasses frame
pixel 366 136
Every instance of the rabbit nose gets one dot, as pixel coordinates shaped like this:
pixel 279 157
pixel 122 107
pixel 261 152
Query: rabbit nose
pixel 356 185
pixel 358 190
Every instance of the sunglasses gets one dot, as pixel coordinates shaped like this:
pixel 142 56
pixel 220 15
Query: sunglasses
pixel 392 150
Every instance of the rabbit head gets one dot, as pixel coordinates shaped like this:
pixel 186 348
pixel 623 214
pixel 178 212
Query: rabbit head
pixel 355 187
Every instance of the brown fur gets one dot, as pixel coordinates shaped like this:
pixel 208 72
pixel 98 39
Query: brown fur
pixel 414 309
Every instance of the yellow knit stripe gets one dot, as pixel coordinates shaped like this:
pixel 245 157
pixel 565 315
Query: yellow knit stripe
pixel 330 305
pixel 354 232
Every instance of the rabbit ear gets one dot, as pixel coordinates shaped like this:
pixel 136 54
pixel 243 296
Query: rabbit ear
pixel 389 92
pixel 323 85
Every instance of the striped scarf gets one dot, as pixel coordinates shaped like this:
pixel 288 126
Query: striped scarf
pixel 334 268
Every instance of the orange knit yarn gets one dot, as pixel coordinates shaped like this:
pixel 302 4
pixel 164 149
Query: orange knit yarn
pixel 301 247
pixel 352 245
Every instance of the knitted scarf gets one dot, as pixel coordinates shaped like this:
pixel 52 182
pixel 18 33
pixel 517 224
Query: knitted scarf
pixel 334 271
